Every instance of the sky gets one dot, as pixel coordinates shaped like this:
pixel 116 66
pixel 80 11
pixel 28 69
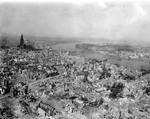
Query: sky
pixel 108 19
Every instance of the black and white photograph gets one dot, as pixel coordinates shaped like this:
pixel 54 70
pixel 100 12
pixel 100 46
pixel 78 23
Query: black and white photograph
pixel 74 59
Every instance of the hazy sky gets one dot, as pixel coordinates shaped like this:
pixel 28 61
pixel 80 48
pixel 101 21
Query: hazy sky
pixel 108 19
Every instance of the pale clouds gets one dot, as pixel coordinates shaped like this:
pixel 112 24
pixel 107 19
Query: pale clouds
pixel 106 19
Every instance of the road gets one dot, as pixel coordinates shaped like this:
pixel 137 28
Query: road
pixel 5 96
pixel 35 83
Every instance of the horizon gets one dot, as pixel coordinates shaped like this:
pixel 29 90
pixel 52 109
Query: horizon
pixel 116 21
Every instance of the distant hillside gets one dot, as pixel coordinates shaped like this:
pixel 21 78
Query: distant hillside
pixel 119 47
pixel 110 47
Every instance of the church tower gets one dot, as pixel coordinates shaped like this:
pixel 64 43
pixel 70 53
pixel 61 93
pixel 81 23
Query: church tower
pixel 21 41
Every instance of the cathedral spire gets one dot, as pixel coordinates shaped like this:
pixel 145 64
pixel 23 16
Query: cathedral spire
pixel 21 41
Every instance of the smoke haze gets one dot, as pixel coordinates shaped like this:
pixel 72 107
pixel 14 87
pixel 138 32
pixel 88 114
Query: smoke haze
pixel 111 20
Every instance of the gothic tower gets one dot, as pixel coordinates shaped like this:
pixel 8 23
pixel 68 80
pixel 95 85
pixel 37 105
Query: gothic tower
pixel 21 41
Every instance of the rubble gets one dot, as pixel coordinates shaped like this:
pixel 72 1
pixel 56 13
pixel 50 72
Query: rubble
pixel 51 84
